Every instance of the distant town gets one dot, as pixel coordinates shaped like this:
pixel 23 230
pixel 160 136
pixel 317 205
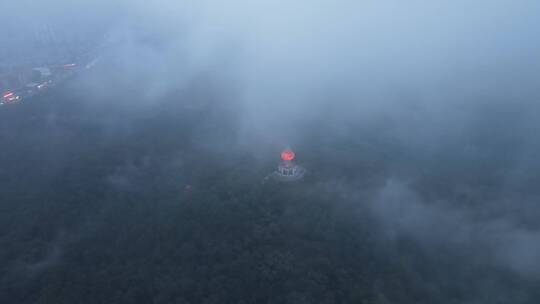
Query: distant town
pixel 21 83
pixel 22 77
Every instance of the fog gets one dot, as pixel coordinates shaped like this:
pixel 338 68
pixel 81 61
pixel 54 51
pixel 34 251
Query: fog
pixel 435 104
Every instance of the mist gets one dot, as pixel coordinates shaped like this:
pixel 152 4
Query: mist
pixel 416 121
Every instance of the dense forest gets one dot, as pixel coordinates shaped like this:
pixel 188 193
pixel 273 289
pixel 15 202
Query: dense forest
pixel 106 203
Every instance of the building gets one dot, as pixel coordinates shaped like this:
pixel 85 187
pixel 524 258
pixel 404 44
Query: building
pixel 41 73
pixel 9 98
pixel 288 170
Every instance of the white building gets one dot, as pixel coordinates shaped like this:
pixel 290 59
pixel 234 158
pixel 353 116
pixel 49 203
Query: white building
pixel 288 170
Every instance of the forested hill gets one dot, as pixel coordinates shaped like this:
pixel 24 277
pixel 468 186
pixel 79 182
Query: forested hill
pixel 101 203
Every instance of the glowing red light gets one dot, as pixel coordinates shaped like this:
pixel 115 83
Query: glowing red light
pixel 288 155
